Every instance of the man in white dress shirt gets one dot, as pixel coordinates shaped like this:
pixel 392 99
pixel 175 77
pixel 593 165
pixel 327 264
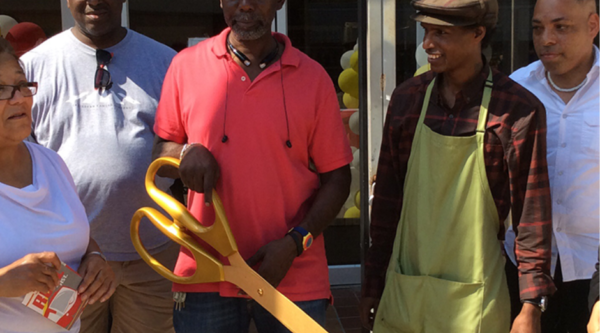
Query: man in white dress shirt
pixel 565 79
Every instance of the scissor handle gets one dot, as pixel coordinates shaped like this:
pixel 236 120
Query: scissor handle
pixel 212 269
pixel 218 235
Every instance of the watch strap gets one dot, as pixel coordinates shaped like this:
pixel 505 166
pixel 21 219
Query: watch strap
pixel 298 240
pixel 540 302
pixel 307 237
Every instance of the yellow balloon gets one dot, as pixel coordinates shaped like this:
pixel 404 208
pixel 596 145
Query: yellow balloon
pixel 348 82
pixel 352 213
pixel 354 61
pixel 357 200
pixel 350 102
pixel 423 69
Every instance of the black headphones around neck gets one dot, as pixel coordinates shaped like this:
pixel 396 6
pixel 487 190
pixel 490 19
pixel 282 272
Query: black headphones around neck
pixel 262 65
pixel 244 59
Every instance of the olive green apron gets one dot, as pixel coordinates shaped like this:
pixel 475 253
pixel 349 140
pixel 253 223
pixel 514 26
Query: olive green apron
pixel 446 274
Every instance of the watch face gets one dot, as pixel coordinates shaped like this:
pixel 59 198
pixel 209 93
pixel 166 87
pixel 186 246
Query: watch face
pixel 307 242
pixel 543 303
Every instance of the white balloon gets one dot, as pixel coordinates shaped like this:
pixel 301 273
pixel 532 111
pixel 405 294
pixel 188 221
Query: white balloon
pixel 349 203
pixel 345 59
pixel 356 159
pixel 488 52
pixel 355 185
pixel 353 123
pixel 421 56
pixel 7 22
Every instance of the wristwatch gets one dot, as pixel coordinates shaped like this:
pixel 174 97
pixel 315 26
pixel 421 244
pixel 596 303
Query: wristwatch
pixel 302 237
pixel 541 302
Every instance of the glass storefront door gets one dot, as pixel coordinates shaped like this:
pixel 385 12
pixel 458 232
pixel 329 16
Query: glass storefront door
pixel 327 31
pixel 174 23
pixel 44 13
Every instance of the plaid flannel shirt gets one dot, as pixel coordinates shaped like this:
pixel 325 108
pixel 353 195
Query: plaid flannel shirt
pixel 515 159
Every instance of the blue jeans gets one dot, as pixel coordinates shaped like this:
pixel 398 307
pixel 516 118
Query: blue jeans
pixel 211 313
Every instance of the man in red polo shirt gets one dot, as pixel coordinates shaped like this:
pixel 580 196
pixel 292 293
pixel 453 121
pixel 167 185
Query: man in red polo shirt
pixel 255 118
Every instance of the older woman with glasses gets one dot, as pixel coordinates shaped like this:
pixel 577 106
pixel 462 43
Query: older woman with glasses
pixel 42 220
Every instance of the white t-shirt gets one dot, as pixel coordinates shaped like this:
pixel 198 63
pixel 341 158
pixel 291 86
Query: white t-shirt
pixel 105 138
pixel 44 216
pixel 573 141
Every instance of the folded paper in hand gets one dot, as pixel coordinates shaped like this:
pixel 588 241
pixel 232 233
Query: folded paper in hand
pixel 62 305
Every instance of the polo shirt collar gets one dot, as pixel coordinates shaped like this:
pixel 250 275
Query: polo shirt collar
pixel 289 57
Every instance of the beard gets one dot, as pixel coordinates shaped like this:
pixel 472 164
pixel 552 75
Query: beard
pixel 256 32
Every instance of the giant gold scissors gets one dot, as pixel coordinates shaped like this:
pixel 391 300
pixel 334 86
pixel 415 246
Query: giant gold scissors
pixel 209 268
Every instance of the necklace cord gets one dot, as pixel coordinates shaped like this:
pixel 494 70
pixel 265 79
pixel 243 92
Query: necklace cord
pixel 288 143
pixel 225 138
pixel 577 87
pixel 246 61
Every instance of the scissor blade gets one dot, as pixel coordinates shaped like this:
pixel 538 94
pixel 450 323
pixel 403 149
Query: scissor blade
pixel 288 313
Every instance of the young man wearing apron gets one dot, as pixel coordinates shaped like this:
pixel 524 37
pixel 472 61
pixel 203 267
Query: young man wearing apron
pixel 462 146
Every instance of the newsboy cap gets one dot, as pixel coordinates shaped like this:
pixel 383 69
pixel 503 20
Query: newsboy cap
pixel 456 12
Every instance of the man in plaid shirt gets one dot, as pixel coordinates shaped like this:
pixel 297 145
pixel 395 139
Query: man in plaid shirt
pixel 465 160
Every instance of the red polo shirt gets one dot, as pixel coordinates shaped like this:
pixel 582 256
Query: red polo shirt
pixel 266 187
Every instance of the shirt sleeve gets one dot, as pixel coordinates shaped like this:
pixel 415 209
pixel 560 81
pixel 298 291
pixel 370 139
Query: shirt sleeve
pixel 531 204
pixel 385 213
pixel 169 119
pixel 329 148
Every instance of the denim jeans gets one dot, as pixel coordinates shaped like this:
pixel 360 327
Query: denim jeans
pixel 211 313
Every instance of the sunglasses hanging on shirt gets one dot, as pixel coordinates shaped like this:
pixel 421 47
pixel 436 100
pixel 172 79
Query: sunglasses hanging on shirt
pixel 102 79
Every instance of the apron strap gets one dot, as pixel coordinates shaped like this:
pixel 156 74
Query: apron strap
pixel 483 109
pixel 426 102
pixel 485 103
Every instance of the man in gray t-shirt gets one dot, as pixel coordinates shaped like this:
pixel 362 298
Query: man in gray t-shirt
pixel 99 86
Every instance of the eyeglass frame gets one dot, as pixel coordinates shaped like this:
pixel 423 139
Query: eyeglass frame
pixel 101 70
pixel 18 87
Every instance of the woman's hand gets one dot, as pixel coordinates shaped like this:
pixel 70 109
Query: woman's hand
pixel 98 279
pixel 33 272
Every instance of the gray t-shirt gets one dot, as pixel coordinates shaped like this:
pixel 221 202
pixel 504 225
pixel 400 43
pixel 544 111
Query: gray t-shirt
pixel 105 138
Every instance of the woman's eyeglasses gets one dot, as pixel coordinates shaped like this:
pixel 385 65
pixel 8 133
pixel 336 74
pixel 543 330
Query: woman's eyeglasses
pixel 102 79
pixel 27 89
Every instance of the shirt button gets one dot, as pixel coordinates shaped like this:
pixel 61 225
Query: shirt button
pixel 451 116
pixel 243 78
pixel 563 145
pixel 565 116
pixel 559 201
pixel 558 229
pixel 560 173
